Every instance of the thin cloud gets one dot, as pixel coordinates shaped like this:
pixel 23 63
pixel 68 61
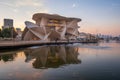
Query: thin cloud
pixel 17 4
pixel 6 4
pixel 13 8
pixel 116 4
pixel 33 3
pixel 74 5
pixel 42 10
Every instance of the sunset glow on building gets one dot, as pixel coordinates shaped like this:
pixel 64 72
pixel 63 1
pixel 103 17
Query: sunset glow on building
pixel 98 16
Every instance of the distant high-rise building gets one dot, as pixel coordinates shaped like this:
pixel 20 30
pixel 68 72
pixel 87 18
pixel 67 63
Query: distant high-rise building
pixel 8 23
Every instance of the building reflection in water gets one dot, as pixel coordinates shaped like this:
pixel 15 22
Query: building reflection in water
pixel 52 56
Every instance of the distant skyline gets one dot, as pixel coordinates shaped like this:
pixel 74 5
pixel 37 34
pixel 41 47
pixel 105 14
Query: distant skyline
pixel 98 16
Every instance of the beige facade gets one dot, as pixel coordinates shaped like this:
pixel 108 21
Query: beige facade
pixel 51 27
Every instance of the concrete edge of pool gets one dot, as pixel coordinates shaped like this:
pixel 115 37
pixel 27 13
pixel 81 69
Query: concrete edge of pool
pixel 22 44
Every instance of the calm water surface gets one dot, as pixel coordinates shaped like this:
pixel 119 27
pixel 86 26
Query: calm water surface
pixel 70 62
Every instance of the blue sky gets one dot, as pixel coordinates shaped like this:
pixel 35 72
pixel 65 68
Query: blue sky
pixel 98 16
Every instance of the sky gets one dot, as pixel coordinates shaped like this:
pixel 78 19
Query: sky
pixel 98 16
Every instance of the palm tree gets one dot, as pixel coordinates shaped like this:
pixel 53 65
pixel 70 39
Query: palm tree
pixel 8 33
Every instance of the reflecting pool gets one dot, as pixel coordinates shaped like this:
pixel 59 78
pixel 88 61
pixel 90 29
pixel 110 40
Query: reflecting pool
pixel 73 62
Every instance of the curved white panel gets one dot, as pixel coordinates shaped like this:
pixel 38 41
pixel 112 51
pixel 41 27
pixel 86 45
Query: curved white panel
pixel 30 24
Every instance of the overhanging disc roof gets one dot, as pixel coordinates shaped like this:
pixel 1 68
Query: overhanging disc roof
pixel 53 16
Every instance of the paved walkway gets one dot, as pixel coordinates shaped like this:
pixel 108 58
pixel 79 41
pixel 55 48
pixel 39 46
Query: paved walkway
pixel 22 43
